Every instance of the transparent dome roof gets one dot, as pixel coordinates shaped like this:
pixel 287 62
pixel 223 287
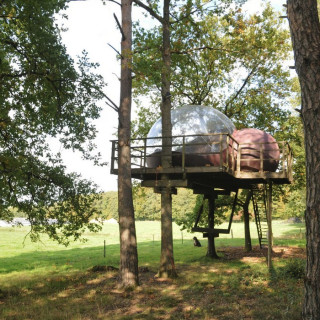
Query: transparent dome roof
pixel 192 120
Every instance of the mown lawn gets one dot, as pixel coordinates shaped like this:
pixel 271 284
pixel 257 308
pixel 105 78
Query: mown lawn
pixel 48 281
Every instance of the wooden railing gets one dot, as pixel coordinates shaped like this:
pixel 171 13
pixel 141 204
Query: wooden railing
pixel 230 154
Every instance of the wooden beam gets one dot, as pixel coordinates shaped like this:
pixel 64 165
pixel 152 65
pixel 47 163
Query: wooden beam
pixel 163 184
pixel 162 189
pixel 214 232
pixel 210 190
pixel 206 235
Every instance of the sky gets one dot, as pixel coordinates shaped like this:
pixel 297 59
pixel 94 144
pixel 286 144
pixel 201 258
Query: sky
pixel 91 27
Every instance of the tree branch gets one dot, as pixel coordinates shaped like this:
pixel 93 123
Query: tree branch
pixel 150 10
pixel 119 26
pixel 202 48
pixel 115 50
pixel 115 2
pixel 240 90
pixel 111 104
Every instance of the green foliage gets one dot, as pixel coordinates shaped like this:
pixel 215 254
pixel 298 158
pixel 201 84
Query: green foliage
pixel 185 206
pixel 108 204
pixel 296 204
pixel 293 196
pixel 223 205
pixel 147 204
pixel 293 268
pixel 187 220
pixel 233 62
pixel 44 99
pixel 291 203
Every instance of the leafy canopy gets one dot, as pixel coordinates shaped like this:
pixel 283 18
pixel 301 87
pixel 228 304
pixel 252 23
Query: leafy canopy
pixel 44 96
pixel 232 61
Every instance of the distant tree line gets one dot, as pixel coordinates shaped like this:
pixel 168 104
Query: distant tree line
pixel 147 206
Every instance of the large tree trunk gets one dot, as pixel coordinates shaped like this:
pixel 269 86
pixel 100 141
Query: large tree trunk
pixel 128 242
pixel 246 220
pixel 305 33
pixel 167 268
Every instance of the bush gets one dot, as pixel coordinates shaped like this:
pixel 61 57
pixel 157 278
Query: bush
pixel 294 268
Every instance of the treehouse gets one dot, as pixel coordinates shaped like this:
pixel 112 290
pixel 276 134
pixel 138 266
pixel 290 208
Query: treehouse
pixel 211 157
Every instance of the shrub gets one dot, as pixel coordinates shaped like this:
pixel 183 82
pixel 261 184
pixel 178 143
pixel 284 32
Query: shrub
pixel 294 268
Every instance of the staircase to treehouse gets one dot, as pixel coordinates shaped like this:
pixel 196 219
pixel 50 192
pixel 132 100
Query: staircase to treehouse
pixel 259 200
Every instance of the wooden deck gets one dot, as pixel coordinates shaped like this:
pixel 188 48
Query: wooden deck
pixel 228 175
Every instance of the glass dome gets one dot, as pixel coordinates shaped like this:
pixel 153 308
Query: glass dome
pixel 193 120
pixel 196 126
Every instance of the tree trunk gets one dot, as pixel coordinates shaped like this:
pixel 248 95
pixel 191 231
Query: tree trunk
pixel 305 34
pixel 128 241
pixel 246 220
pixel 167 266
pixel 211 252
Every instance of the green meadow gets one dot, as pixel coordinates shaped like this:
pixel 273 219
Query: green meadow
pixel 45 280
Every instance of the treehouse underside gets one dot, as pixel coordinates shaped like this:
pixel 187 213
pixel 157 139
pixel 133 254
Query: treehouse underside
pixel 207 178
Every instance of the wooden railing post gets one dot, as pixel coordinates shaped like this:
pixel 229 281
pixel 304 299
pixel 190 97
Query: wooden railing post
pixel 183 153
pixel 232 155
pixel 227 152
pixel 144 152
pixel 261 158
pixel 284 158
pixel 239 158
pixel 221 158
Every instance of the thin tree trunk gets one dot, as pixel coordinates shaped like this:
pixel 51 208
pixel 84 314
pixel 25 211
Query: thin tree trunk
pixel 305 34
pixel 211 252
pixel 128 242
pixel 246 220
pixel 167 266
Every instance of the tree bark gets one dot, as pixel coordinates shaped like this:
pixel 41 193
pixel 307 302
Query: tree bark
pixel 211 252
pixel 305 33
pixel 167 266
pixel 269 220
pixel 246 220
pixel 128 241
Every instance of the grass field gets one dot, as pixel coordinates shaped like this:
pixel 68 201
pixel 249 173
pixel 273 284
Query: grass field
pixel 48 281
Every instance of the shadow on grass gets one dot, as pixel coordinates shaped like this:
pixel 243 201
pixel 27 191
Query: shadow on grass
pixel 206 289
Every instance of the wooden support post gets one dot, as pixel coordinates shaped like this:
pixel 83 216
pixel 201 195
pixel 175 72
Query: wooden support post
pixel 220 151
pixel 284 158
pixel 232 156
pixel 145 153
pixel 269 220
pixel 227 152
pixel 183 160
pixel 239 159
pixel 211 245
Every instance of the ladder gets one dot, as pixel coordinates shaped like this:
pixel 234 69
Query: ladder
pixel 259 200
